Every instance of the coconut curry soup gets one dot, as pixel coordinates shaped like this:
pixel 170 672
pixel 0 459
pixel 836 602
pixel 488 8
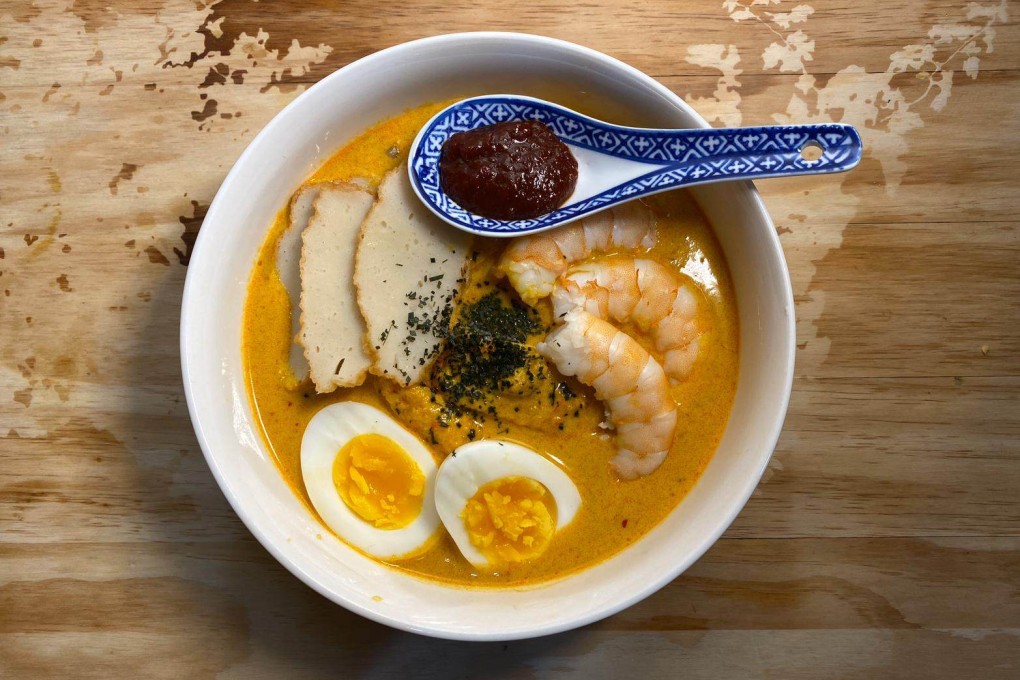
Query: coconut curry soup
pixel 485 412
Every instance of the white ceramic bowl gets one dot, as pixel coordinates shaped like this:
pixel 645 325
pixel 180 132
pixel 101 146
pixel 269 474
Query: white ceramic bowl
pixel 300 139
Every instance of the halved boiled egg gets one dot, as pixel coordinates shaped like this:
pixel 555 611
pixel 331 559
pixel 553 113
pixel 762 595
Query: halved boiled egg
pixel 370 480
pixel 503 502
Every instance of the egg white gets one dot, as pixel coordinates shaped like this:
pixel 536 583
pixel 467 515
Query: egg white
pixel 476 464
pixel 330 430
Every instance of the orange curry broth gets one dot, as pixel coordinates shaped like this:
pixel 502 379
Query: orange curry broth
pixel 613 514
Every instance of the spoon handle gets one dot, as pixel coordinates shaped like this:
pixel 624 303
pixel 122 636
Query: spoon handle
pixel 686 157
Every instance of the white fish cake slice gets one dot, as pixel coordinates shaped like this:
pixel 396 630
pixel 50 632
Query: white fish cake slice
pixel 288 267
pixel 408 272
pixel 332 331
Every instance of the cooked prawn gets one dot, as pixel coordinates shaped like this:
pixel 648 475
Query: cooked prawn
pixel 628 380
pixel 642 292
pixel 533 263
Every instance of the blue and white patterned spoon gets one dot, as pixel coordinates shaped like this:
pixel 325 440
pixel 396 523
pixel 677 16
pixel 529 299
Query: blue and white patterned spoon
pixel 617 164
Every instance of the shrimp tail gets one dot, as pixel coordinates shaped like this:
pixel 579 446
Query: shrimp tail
pixel 629 465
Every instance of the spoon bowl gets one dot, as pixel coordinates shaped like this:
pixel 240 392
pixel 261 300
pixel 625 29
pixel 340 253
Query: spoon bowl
pixel 618 163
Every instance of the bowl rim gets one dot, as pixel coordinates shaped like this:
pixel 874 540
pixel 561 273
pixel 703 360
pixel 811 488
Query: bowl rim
pixel 768 440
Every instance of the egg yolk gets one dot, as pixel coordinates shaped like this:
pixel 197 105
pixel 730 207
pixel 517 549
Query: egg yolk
pixel 378 481
pixel 510 519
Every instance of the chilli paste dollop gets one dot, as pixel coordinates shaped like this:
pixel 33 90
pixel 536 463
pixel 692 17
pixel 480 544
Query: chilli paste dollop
pixel 508 171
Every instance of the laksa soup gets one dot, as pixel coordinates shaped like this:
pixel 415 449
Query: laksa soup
pixel 480 411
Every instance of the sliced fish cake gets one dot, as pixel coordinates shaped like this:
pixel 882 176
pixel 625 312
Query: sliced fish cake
pixel 288 267
pixel 332 331
pixel 408 272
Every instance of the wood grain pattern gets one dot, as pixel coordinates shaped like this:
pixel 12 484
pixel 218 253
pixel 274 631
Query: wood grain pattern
pixel 885 538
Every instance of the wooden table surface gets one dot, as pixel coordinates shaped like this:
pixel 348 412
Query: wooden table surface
pixel 884 540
